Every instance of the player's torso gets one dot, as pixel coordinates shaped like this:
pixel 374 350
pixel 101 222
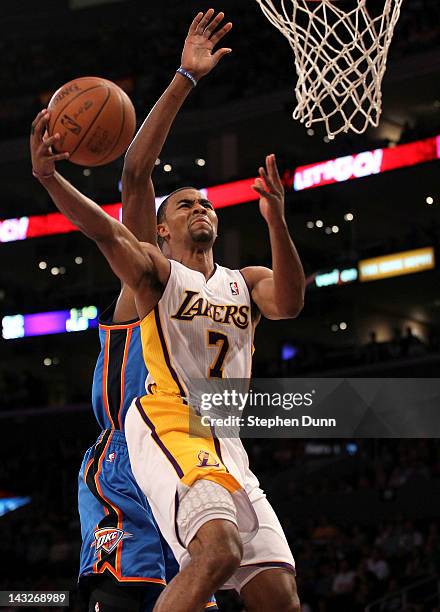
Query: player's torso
pixel 120 373
pixel 200 329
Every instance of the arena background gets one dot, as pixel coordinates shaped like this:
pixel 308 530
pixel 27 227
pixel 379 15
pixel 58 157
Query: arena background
pixel 361 515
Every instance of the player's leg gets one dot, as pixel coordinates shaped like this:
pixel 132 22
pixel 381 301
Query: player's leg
pixel 200 507
pixel 172 569
pixel 271 590
pixel 122 561
pixel 215 553
pixel 266 578
pixel 206 527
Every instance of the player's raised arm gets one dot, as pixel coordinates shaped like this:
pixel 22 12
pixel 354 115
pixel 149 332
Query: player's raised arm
pixel 278 293
pixel 198 59
pixel 131 261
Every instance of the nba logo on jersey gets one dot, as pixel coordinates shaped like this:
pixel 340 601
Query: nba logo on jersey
pixel 111 458
pixel 234 288
pixel 207 460
pixel 108 538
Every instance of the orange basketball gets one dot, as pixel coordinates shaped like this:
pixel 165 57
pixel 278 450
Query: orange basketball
pixel 95 119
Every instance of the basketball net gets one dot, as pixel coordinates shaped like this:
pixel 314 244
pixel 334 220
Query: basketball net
pixel 340 58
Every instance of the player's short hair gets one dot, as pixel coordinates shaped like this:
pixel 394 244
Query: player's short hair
pixel 162 210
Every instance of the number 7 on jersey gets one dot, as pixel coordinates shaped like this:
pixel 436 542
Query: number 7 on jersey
pixel 216 338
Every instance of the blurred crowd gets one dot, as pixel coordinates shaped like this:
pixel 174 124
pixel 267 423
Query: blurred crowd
pixel 403 350
pixel 380 465
pixel 345 569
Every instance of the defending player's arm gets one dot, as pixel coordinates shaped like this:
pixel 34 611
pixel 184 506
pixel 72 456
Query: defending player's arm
pixel 278 293
pixel 134 263
pixel 138 201
pixel 139 216
pixel 198 59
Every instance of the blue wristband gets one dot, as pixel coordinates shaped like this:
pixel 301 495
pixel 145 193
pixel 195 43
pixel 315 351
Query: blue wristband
pixel 187 74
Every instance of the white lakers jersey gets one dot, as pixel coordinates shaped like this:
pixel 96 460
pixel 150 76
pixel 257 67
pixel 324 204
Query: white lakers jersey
pixel 200 329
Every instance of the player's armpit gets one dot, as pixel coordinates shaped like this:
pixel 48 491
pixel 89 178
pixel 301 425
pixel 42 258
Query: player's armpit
pixel 260 281
pixel 125 308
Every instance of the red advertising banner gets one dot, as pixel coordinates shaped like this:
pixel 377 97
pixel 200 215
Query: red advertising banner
pixel 238 192
pixel 366 164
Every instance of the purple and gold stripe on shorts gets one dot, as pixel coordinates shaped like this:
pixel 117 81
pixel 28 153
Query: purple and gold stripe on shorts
pixel 157 439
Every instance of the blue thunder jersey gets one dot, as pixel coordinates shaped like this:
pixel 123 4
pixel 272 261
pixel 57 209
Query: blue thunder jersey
pixel 120 371
pixel 120 537
pixel 111 505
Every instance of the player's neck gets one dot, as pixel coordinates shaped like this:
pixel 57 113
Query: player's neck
pixel 201 260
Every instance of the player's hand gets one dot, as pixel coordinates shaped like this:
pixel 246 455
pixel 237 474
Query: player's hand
pixel 43 158
pixel 198 56
pixel 271 191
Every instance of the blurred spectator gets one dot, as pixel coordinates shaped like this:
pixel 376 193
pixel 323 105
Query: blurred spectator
pixel 344 580
pixel 324 531
pixel 411 345
pixel 378 566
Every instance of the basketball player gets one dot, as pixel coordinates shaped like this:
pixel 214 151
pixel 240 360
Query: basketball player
pixel 124 561
pixel 204 497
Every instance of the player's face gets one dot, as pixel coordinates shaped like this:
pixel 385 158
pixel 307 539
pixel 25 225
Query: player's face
pixel 190 214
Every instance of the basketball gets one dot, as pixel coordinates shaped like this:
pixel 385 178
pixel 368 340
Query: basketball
pixel 95 119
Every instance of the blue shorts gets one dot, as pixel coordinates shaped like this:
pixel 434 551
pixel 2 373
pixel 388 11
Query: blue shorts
pixel 119 534
pixel 120 537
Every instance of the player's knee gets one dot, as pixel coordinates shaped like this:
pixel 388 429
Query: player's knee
pixel 207 523
pixel 225 559
pixel 217 550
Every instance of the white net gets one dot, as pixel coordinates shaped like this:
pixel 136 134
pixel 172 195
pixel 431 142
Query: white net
pixel 340 50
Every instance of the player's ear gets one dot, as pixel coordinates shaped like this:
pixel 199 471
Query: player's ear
pixel 163 232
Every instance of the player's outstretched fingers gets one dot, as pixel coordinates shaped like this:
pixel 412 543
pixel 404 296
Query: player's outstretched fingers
pixel 267 179
pixel 217 36
pixel 213 25
pixel 195 23
pixel 274 167
pixel 204 21
pixel 259 187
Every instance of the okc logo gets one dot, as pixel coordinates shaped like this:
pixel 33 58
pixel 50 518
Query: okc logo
pixel 207 460
pixel 108 538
